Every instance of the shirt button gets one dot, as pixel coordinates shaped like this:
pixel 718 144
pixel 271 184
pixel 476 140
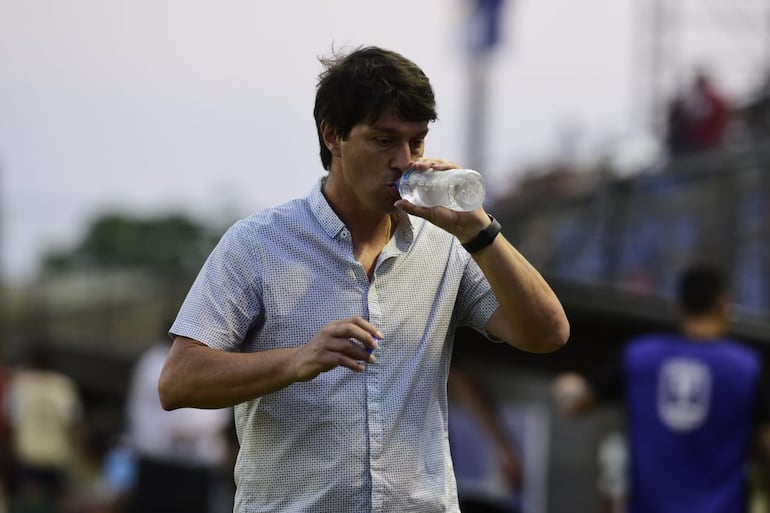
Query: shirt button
pixel 344 234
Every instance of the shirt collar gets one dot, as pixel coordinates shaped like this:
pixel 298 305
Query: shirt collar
pixel 323 212
pixel 333 225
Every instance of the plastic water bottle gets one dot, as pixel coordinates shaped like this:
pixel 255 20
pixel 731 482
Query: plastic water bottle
pixel 457 189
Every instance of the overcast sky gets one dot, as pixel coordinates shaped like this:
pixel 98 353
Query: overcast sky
pixel 206 107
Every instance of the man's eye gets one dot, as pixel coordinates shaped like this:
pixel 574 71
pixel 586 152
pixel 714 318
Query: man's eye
pixel 383 141
pixel 417 145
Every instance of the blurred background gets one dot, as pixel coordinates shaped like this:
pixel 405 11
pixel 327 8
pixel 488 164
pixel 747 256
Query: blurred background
pixel 620 140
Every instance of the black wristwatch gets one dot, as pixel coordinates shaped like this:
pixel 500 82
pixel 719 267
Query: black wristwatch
pixel 485 237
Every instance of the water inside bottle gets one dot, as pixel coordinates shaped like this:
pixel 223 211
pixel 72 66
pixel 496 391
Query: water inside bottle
pixel 432 194
pixel 467 196
pixel 430 189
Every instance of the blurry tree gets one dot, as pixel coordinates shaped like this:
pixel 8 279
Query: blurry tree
pixel 168 244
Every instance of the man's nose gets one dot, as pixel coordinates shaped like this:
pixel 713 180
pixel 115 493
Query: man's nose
pixel 402 156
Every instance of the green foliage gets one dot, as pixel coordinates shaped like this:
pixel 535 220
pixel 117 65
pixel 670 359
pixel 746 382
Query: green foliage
pixel 171 243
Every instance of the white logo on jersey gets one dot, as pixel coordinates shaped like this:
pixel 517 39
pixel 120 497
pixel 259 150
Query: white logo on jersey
pixel 684 393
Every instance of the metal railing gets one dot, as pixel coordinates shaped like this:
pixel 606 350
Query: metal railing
pixel 634 235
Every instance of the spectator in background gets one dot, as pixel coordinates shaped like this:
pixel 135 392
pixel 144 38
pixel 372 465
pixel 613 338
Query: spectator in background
pixel 44 408
pixel 709 112
pixel 679 137
pixel 612 478
pixel 698 119
pixel 104 476
pixel 695 402
pixel 180 454
pixel 502 484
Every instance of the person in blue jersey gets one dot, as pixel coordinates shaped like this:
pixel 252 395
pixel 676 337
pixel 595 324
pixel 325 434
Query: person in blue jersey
pixel 328 321
pixel 696 406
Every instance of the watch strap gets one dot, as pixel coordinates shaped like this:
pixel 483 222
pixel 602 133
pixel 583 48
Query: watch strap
pixel 485 237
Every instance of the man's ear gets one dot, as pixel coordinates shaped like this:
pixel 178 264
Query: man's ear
pixel 331 138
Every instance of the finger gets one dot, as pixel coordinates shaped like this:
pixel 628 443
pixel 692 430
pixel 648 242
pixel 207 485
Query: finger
pixel 341 352
pixel 348 347
pixel 356 350
pixel 440 216
pixel 331 359
pixel 443 165
pixel 420 165
pixel 359 329
pixel 415 210
pixel 351 363
pixel 363 353
pixel 368 326
pixel 370 350
pixel 437 164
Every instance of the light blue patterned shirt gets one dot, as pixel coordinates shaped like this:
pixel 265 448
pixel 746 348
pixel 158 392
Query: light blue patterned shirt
pixel 374 441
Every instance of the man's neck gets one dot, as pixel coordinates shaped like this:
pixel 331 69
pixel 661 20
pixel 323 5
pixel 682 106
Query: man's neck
pixel 703 328
pixel 366 226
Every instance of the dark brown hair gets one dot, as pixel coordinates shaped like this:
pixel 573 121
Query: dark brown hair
pixel 360 86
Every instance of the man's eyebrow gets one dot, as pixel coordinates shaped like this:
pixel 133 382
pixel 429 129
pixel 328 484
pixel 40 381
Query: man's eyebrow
pixel 390 131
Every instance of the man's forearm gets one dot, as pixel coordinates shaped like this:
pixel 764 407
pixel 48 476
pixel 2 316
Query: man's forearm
pixel 198 376
pixel 530 315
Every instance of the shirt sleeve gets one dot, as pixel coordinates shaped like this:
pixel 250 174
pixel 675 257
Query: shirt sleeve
pixel 224 302
pixel 476 302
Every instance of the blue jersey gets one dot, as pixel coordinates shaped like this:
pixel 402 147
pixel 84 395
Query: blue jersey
pixel 690 411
